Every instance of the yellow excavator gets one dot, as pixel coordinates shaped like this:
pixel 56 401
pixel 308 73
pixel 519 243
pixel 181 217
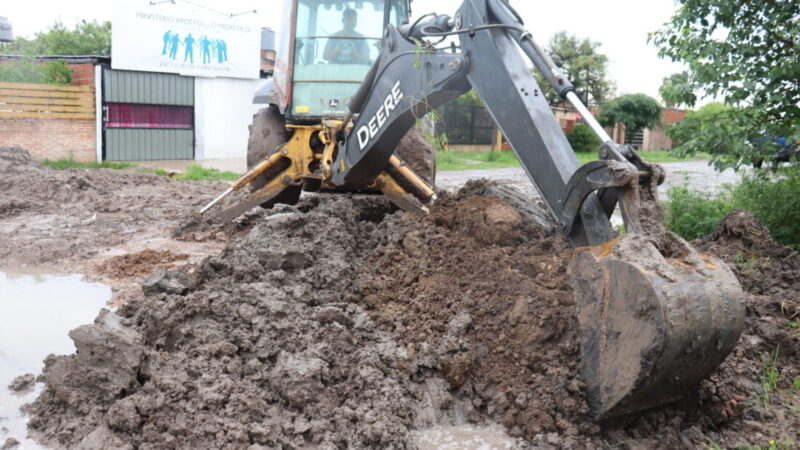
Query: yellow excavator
pixel 352 77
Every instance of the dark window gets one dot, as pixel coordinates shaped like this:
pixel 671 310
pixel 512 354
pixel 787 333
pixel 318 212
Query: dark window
pixel 126 115
pixel 468 124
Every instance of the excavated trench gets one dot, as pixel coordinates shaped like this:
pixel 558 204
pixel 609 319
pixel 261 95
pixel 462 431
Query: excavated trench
pixel 341 323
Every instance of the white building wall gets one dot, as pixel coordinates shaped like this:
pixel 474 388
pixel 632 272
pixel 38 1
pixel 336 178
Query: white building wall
pixel 223 110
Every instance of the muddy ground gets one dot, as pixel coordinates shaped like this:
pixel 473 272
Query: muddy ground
pixel 341 323
pixel 113 226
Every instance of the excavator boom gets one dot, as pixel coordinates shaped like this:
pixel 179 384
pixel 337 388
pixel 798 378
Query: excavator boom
pixel 656 316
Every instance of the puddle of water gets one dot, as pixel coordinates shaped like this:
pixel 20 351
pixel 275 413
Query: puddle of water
pixel 464 437
pixel 37 310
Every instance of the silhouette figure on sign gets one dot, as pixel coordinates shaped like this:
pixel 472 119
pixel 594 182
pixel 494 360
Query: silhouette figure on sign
pixel 173 45
pixel 189 42
pixel 167 37
pixel 205 46
pixel 222 51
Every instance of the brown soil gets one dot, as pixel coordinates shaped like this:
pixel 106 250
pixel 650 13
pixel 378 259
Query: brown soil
pixel 139 264
pixel 339 324
pixel 417 153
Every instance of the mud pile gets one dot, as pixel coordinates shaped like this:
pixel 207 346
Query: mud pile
pixel 255 346
pixel 340 323
pixel 66 217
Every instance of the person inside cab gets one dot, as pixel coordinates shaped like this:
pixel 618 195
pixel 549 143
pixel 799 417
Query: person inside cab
pixel 340 49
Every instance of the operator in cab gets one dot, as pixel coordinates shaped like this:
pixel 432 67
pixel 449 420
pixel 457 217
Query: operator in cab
pixel 340 49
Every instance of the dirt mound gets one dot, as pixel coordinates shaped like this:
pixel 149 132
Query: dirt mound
pixel 495 307
pixel 766 365
pixel 256 346
pixel 15 156
pixel 139 264
pixel 338 323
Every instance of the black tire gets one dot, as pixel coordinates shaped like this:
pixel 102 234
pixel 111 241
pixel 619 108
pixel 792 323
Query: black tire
pixel 418 154
pixel 267 133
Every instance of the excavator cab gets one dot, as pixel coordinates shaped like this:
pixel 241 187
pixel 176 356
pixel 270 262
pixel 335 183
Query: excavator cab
pixel 327 52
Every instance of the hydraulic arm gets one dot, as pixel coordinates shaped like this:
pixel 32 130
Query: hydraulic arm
pixel 656 316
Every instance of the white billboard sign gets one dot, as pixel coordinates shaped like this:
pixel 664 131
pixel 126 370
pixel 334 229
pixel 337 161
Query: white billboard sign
pixel 178 38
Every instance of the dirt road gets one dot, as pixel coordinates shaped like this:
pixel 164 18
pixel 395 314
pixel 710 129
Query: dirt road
pixel 341 323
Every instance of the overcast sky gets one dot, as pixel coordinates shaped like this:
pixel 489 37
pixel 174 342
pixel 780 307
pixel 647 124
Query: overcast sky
pixel 621 26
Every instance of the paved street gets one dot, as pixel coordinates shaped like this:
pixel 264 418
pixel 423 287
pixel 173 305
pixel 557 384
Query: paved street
pixel 696 174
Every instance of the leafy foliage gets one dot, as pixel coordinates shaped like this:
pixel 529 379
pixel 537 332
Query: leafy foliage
pixel 470 98
pixel 694 214
pixel 23 71
pixel 582 139
pixel 57 72
pixel 773 199
pixel 583 64
pixel 635 111
pixel 86 38
pixel 770 197
pixel 748 53
pixel 715 129
pixel 676 90
pixel 27 70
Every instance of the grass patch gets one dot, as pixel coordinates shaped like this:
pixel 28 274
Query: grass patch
pixel 194 172
pixel 769 376
pixel 771 198
pixel 453 160
pixel 794 329
pixel 795 385
pixel 197 172
pixel 69 163
pixel 693 214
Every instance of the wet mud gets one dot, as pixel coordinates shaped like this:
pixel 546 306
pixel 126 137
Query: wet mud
pixel 342 323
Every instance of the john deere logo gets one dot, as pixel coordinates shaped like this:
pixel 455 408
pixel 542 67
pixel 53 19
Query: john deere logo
pixel 333 103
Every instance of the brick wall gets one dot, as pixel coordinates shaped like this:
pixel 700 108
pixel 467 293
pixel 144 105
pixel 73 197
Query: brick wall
pixel 51 138
pixel 82 74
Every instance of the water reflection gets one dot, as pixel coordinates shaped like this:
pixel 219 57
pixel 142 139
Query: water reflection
pixel 37 310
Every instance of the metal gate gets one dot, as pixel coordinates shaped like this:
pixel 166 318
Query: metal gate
pixel 147 116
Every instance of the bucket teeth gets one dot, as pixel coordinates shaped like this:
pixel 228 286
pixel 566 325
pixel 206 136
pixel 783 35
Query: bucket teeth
pixel 653 323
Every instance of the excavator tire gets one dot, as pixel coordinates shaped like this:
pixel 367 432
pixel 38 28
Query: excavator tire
pixel 418 154
pixel 267 133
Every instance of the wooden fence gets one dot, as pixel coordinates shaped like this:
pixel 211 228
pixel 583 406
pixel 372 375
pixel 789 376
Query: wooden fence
pixel 46 101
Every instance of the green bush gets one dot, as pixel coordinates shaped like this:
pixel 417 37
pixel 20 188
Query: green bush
pixel 57 72
pixel 21 71
pixel 774 199
pixel 582 139
pixel 27 70
pixel 694 214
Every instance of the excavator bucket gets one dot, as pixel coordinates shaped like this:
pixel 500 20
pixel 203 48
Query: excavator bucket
pixel 656 317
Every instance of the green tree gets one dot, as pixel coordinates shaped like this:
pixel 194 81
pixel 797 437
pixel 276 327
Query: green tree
pixel 86 38
pixel 582 139
pixel 635 111
pixel 26 70
pixel 583 64
pixel 715 128
pixel 747 53
pixel 676 90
